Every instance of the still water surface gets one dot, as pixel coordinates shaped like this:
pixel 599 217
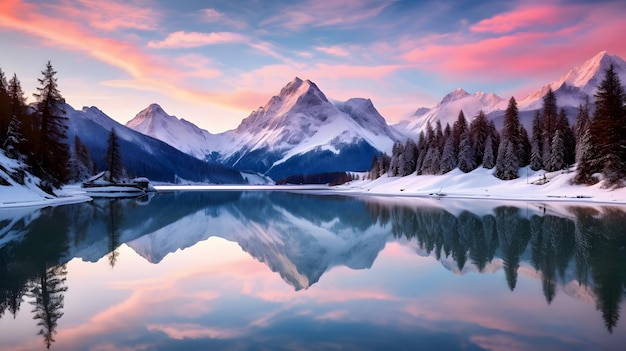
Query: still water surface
pixel 282 271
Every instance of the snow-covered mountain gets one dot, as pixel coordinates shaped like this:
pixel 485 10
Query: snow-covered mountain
pixel 142 155
pixel 184 135
pixel 301 131
pixel 297 131
pixel 580 82
pixel 571 90
pixel 448 109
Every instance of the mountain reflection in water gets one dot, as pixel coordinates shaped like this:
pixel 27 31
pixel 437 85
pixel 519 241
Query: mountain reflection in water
pixel 571 249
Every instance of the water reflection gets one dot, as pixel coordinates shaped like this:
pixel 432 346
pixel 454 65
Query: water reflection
pixel 576 250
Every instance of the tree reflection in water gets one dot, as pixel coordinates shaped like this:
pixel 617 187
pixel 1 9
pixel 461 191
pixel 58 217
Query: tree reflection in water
pixel 589 242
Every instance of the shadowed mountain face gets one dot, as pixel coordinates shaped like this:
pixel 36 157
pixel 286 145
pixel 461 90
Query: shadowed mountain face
pixel 300 237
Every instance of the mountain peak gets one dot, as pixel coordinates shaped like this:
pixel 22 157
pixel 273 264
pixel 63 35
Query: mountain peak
pixel 580 81
pixel 456 94
pixel 148 119
pixel 586 76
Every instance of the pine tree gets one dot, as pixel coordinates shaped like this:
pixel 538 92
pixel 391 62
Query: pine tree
pixel 508 162
pixel 582 120
pixel 467 158
pixel 421 153
pixel 549 120
pixel 569 139
pixel 52 152
pixel 394 164
pixel 448 157
pixel 439 141
pixel 374 169
pixel 48 295
pixel 479 130
pixel 585 154
pixel 114 158
pixel 536 145
pixel 15 142
pixel 489 156
pixel 608 128
pixel 460 125
pixel 524 147
pixel 410 158
pixel 586 160
pixel 82 164
pixel 383 164
pixel 5 107
pixel 557 152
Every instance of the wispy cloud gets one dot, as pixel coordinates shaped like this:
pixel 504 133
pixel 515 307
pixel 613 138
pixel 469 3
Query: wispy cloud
pixel 212 15
pixel 110 15
pixel 528 17
pixel 335 50
pixel 183 39
pixel 323 13
pixel 521 43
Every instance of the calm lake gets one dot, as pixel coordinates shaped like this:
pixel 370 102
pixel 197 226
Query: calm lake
pixel 268 270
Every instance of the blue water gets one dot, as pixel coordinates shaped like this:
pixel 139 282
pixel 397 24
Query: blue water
pixel 268 270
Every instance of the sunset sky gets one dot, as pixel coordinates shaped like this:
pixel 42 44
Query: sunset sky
pixel 213 62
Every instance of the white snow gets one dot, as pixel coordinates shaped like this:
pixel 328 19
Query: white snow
pixel 183 135
pixel 29 194
pixel 447 111
pixel 481 184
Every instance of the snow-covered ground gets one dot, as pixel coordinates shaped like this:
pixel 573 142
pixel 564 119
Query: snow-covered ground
pixel 29 194
pixel 481 184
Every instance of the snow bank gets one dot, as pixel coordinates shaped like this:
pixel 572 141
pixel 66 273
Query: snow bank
pixel 16 194
pixel 481 184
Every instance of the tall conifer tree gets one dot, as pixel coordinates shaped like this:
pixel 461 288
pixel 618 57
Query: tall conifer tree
pixel 608 128
pixel 52 151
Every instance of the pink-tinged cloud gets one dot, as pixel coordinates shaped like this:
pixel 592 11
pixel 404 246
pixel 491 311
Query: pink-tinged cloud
pixel 212 15
pixel 17 15
pixel 198 66
pixel 194 331
pixel 195 39
pixel 536 53
pixel 108 15
pixel 324 13
pixel 528 17
pixel 334 50
pixel 151 73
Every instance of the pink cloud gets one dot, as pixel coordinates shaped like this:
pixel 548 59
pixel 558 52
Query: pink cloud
pixel 195 39
pixel 536 52
pixel 107 15
pixel 148 72
pixel 194 331
pixel 334 50
pixel 527 17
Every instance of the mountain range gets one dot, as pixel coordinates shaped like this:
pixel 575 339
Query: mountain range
pixel 298 131
pixel 301 131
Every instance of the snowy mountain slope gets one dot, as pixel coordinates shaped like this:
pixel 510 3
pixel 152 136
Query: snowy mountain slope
pixel 571 90
pixel 448 109
pixel 581 81
pixel 299 130
pixel 142 155
pixel 185 136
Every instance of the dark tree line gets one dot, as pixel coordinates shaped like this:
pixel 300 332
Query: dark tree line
pixel 36 134
pixel 330 178
pixel 597 145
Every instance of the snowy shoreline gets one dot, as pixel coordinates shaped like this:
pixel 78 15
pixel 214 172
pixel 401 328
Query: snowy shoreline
pixel 479 184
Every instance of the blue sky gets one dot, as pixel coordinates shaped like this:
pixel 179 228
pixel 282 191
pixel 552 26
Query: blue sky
pixel 213 62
